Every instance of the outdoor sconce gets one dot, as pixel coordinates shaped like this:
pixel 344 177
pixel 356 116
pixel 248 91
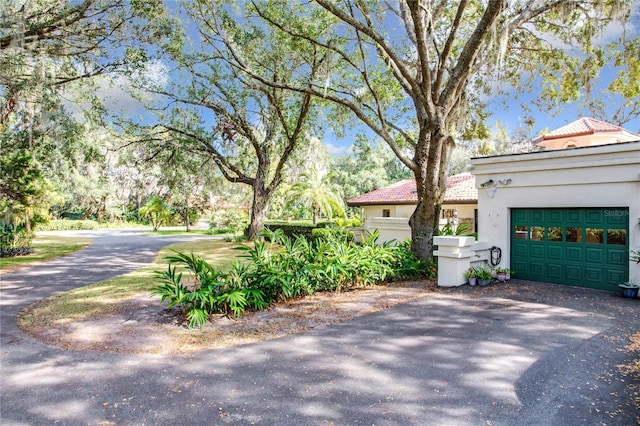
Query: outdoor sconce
pixel 490 186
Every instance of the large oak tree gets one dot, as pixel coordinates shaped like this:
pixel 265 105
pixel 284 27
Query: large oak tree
pixel 415 71
pixel 246 125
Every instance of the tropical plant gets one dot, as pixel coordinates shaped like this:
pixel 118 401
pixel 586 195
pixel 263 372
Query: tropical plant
pixel 462 229
pixel 156 211
pixel 15 240
pixel 207 291
pixel 280 270
pixel 482 273
pixel 315 190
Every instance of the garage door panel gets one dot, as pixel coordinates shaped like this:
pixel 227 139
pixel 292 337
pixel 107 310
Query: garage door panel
pixel 537 216
pixel 572 274
pixel 594 216
pixel 555 216
pixel 555 252
pixel 520 216
pixel 615 276
pixel 520 267
pixel 537 269
pixel 574 216
pixel 576 246
pixel 594 255
pixel 554 270
pixel 574 253
pixel 594 275
pixel 520 250
pixel 537 251
pixel 616 217
pixel 617 257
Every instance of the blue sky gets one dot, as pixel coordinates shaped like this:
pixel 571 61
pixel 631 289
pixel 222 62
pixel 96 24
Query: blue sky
pixel 505 108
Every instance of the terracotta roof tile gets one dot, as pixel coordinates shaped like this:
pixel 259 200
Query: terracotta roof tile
pixel 460 189
pixel 583 126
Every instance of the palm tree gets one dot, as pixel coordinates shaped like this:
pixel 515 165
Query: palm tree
pixel 318 191
pixel 156 210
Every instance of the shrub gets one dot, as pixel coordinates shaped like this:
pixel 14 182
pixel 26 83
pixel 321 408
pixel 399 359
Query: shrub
pixel 209 291
pixel 15 240
pixel 332 233
pixel 281 270
pixel 228 221
pixel 69 225
pixel 301 228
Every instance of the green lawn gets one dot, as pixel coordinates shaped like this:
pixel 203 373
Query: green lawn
pixel 46 247
pixel 107 296
pixel 171 232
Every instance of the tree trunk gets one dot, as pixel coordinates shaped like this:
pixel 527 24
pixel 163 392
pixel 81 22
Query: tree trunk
pixel 315 212
pixel 431 184
pixel 187 221
pixel 258 212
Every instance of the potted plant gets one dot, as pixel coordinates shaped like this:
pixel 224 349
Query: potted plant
pixel 484 276
pixel 470 275
pixel 502 273
pixel 629 289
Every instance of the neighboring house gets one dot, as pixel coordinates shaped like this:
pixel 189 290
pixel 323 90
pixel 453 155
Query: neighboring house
pixel 388 209
pixel 584 132
pixel 566 216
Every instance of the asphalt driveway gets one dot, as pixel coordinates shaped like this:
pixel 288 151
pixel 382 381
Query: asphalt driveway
pixel 516 354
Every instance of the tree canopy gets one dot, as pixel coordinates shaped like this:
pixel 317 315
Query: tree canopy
pixel 51 53
pixel 247 128
pixel 415 72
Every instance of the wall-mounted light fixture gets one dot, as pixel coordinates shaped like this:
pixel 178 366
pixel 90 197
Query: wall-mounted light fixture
pixel 490 186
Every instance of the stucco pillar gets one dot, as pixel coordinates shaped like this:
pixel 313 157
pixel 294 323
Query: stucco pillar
pixel 455 256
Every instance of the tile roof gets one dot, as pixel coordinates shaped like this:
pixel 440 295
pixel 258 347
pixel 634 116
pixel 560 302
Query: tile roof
pixel 583 126
pixel 460 189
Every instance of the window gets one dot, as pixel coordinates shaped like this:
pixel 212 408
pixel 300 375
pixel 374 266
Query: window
pixel 554 233
pixel 617 236
pixel 448 213
pixel 386 213
pixel 595 235
pixel 574 235
pixel 537 233
pixel 521 232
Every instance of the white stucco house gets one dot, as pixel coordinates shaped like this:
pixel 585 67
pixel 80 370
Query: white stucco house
pixel 567 216
pixel 388 209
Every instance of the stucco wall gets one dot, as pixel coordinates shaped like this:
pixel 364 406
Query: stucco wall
pixel 599 176
pixel 390 228
pixel 397 227
pixel 403 211
pixel 588 140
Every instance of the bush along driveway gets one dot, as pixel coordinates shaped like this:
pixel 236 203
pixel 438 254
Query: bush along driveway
pixel 517 353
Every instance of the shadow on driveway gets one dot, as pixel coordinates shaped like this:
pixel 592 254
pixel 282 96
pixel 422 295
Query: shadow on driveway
pixel 513 354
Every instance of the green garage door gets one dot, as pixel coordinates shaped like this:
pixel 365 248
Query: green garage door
pixel 585 247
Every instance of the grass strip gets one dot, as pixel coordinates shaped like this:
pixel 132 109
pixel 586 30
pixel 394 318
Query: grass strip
pixel 106 297
pixel 46 247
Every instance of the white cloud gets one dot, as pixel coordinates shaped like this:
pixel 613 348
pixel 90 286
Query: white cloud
pixel 335 149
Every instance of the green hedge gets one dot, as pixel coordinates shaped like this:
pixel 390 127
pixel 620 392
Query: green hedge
pixel 329 233
pixel 292 229
pixel 69 225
